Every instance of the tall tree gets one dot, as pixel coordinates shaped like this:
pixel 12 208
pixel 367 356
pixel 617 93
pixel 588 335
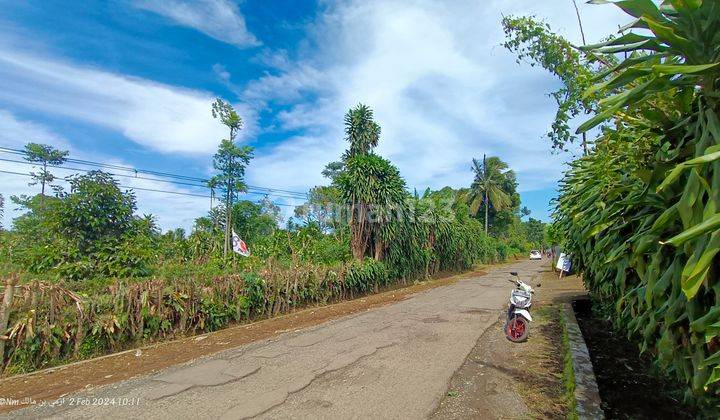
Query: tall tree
pixel 369 184
pixel 45 155
pixel 361 131
pixel 487 188
pixel 231 161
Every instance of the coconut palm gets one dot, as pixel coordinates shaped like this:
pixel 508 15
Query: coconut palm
pixel 361 130
pixel 487 186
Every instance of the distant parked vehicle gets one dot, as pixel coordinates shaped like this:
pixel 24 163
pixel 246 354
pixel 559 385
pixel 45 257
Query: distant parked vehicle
pixel 535 255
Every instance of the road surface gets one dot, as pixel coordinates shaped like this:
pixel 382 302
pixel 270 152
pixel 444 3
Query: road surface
pixel 393 361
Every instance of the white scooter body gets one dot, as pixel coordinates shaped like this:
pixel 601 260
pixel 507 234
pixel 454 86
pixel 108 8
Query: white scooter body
pixel 521 285
pixel 524 313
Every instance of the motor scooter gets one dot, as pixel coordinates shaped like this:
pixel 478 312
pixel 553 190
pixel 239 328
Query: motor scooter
pixel 517 325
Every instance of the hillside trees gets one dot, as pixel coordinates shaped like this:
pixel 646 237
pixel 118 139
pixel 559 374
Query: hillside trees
pixel 535 232
pixel 252 221
pixel 323 208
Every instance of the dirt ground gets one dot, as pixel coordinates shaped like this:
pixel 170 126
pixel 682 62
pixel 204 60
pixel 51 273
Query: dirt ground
pixel 49 384
pixel 501 379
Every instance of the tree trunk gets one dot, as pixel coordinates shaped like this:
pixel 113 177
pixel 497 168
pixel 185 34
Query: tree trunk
pixel 378 248
pixel 356 242
pixel 486 212
pixel 228 209
pixel 5 314
pixel 42 186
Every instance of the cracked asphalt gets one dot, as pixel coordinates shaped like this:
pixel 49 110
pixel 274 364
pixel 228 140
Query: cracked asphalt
pixel 392 361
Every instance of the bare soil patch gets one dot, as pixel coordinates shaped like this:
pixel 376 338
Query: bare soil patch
pixel 49 384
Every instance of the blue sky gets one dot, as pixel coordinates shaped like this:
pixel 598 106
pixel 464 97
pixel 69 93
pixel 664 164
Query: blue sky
pixel 131 81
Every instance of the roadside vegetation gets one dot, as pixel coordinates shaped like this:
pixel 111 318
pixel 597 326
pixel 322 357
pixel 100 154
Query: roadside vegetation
pixel 568 372
pixel 639 211
pixel 95 277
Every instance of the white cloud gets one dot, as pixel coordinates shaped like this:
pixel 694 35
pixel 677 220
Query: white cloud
pixel 221 72
pixel 162 117
pixel 219 19
pixel 171 210
pixel 15 133
pixel 442 87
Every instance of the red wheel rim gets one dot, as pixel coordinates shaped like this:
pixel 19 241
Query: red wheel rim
pixel 516 328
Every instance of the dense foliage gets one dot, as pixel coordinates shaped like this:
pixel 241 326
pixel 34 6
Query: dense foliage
pixel 640 214
pixel 91 231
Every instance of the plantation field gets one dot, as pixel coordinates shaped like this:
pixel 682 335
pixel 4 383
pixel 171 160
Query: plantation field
pixel 345 367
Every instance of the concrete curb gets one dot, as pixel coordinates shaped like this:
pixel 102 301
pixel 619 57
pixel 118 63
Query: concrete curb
pixel 587 396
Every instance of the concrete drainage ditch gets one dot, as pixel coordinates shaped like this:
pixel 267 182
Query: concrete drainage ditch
pixel 587 395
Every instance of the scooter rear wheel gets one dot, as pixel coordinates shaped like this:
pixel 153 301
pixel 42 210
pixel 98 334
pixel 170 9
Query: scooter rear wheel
pixel 517 329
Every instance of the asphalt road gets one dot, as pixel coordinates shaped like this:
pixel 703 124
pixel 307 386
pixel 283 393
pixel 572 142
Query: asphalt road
pixel 393 361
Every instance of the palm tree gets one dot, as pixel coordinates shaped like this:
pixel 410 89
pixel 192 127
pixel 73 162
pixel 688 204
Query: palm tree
pixel 487 186
pixel 361 130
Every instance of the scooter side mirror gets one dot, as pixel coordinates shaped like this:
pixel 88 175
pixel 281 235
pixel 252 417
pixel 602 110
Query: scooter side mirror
pixel 538 285
pixel 513 273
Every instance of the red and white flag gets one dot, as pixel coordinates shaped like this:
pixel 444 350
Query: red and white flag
pixel 239 245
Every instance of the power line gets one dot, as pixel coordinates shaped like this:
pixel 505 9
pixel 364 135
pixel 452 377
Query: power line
pixel 24 162
pixel 266 190
pixel 142 189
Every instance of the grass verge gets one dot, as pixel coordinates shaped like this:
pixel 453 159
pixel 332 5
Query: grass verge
pixel 568 371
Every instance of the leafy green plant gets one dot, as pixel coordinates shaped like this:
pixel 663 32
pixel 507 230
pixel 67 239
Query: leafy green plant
pixel 640 213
